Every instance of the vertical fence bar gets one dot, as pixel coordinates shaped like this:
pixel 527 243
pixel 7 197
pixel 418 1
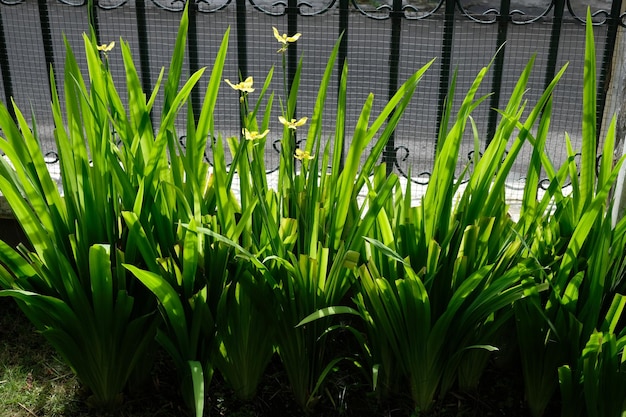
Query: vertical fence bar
pixel 242 47
pixel 446 62
pixel 92 11
pixel 192 46
pixel 342 54
pixel 46 38
pixel 292 58
pixel 242 39
pixel 5 66
pixel 144 45
pixel 292 51
pixel 389 155
pixel 555 38
pixel 607 62
pixel 498 67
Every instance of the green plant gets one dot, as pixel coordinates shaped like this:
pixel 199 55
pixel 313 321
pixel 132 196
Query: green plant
pixel 186 273
pixel 69 280
pixel 440 279
pixel 246 341
pixel 126 186
pixel 408 341
pixel 194 277
pixel 245 334
pixel 320 200
pixel 297 236
pixel 602 377
pixel 207 314
pixel 581 257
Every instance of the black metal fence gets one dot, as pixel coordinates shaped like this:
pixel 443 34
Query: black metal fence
pixel 383 41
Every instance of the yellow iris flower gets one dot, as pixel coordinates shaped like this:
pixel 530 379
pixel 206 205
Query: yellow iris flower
pixel 244 86
pixel 293 124
pixel 302 155
pixel 254 135
pixel 285 40
pixel 106 48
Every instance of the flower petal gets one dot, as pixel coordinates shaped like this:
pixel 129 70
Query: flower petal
pixel 106 48
pixel 294 38
pixel 302 155
pixel 277 35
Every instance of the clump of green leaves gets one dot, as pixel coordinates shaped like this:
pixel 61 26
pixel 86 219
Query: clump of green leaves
pixel 440 278
pixel 581 255
pixel 295 236
pixel 69 280
pixel 119 186
pixel 146 225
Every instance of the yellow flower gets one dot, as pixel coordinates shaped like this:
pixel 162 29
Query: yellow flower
pixel 285 40
pixel 254 135
pixel 293 124
pixel 106 48
pixel 244 86
pixel 302 155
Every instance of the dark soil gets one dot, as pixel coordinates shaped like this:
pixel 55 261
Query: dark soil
pixel 500 392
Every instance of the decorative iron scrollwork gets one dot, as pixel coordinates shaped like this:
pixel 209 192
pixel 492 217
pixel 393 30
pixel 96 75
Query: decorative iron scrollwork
pixel 277 145
pixel 491 14
pixel 418 10
pixel 599 17
pixel 77 3
pixel 206 6
pixel 211 140
pixel 402 154
pixel 110 4
pixel 170 5
pixel 304 8
pixel 482 13
pixel 102 4
pixel 51 157
pixel 379 12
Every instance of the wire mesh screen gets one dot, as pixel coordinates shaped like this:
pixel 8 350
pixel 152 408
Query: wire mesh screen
pixel 416 136
pixel 385 42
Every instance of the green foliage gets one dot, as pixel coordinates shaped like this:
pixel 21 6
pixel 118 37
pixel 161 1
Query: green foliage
pixel 440 278
pixel 186 272
pixel 145 225
pixel 581 256
pixel 69 280
pixel 299 233
pixel 120 194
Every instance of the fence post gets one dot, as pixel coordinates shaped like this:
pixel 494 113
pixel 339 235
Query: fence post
pixel 242 48
pixel 446 64
pixel 144 46
pixel 92 11
pixel 46 38
pixel 292 51
pixel 342 56
pixel 292 60
pixel 242 39
pixel 5 67
pixel 192 46
pixel 555 37
pixel 389 155
pixel 503 29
